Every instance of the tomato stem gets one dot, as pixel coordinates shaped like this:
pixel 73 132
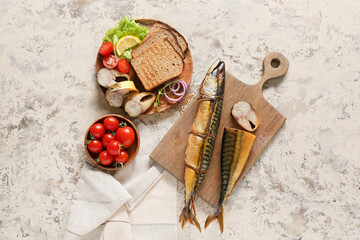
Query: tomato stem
pixel 97 160
pixel 92 137
pixel 122 124
pixel 120 146
pixel 161 92
pixel 119 164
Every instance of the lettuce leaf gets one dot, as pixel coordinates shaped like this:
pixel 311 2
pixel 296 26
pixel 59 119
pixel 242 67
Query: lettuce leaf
pixel 125 27
pixel 127 54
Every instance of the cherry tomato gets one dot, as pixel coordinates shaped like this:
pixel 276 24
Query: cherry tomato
pixel 110 61
pixel 98 130
pixel 123 157
pixel 126 136
pixel 114 147
pixel 123 65
pixel 106 158
pixel 111 123
pixel 106 48
pixel 107 138
pixel 95 146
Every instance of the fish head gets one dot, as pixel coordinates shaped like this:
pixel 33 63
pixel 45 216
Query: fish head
pixel 213 83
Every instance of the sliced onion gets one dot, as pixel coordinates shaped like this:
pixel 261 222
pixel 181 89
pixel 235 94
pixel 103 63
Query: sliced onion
pixel 176 89
pixel 174 99
pixel 182 82
pixel 179 91
pixel 179 94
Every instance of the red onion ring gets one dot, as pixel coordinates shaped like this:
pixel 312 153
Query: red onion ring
pixel 175 88
pixel 184 84
pixel 179 93
pixel 170 91
pixel 173 99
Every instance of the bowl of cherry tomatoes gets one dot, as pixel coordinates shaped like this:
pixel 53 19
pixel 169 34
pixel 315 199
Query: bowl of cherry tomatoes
pixel 112 142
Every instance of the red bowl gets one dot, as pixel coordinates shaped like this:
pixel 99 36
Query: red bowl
pixel 132 150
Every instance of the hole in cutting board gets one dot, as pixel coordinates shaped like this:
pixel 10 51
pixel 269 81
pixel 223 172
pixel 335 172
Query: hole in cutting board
pixel 275 63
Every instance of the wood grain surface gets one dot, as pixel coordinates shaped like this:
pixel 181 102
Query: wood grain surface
pixel 185 75
pixel 170 153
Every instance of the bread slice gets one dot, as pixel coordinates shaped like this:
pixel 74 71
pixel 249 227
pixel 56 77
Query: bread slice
pixel 153 38
pixel 181 40
pixel 158 64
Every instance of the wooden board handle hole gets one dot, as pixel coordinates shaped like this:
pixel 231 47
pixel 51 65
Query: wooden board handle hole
pixel 275 63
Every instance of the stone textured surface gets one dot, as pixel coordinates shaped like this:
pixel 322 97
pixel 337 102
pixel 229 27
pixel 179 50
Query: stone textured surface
pixel 306 185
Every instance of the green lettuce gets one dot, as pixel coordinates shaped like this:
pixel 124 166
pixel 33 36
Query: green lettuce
pixel 125 27
pixel 127 54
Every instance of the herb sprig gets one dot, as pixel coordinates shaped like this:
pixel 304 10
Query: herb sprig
pixel 160 92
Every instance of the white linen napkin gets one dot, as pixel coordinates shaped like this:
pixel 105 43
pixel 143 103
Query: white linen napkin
pixel 136 200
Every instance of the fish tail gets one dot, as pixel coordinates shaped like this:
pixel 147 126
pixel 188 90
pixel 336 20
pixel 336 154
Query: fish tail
pixel 216 214
pixel 187 216
pixel 195 222
pixel 182 218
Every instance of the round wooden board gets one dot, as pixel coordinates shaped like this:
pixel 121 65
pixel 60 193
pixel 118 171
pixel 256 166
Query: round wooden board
pixel 185 75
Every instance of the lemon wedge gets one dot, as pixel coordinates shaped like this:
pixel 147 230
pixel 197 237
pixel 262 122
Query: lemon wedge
pixel 126 42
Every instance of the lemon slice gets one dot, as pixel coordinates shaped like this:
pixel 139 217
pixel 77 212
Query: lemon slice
pixel 126 42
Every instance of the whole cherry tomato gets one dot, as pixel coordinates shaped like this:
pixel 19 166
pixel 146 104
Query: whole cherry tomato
pixel 95 146
pixel 107 138
pixel 123 157
pixel 126 136
pixel 123 65
pixel 111 123
pixel 114 147
pixel 105 158
pixel 106 48
pixel 98 130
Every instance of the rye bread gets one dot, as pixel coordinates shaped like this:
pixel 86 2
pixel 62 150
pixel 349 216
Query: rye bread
pixel 181 40
pixel 158 64
pixel 153 38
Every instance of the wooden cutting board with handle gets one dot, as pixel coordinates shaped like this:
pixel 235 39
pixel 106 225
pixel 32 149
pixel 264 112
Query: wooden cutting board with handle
pixel 170 153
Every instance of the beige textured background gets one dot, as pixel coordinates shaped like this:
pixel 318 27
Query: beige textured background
pixel 306 185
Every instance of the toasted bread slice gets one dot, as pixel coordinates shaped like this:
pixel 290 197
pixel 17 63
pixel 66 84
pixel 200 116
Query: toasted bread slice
pixel 181 40
pixel 153 38
pixel 158 64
